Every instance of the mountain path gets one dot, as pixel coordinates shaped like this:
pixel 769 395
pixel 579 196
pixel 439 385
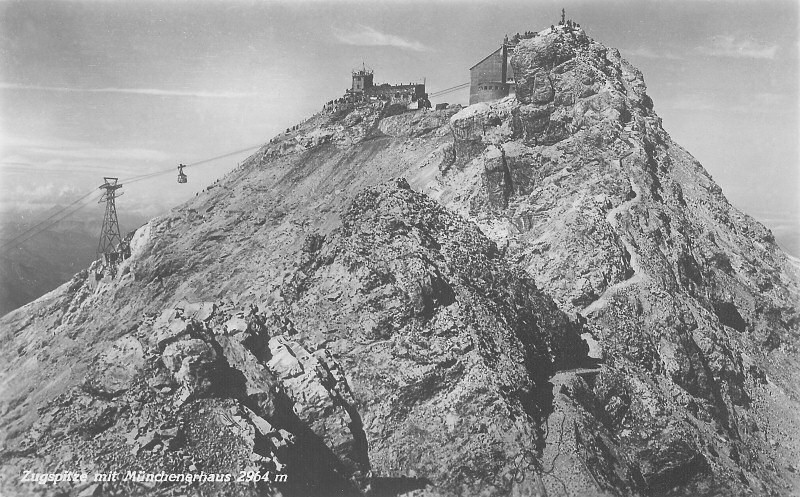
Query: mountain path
pixel 611 218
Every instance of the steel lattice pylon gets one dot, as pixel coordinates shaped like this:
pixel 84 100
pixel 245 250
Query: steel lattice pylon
pixel 110 238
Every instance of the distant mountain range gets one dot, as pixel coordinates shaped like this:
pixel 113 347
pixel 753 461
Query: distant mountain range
pixel 39 264
pixel 786 228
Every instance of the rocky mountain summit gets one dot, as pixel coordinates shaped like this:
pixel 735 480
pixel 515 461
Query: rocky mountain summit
pixel 541 295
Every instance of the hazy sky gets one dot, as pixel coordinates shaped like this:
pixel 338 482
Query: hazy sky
pixel 98 88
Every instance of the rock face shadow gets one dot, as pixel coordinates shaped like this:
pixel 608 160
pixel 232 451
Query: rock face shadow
pixel 394 486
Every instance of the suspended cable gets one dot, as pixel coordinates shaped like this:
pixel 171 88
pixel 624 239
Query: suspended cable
pixel 142 177
pixel 450 90
pixel 66 212
pixel 55 214
pixel 43 225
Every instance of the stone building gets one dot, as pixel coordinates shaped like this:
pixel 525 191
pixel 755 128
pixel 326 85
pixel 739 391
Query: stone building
pixel 362 80
pixel 364 88
pixel 493 77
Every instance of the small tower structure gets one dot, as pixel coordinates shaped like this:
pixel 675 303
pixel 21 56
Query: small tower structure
pixel 110 238
pixel 362 80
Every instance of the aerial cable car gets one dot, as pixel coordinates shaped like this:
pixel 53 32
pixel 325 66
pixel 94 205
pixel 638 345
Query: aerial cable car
pixel 181 176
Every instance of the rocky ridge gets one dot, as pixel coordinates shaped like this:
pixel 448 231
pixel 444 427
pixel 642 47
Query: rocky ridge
pixel 310 315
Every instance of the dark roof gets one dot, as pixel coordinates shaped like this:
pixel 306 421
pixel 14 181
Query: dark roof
pixel 482 60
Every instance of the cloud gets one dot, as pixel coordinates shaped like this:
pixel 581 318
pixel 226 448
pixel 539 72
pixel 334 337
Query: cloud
pixel 77 149
pixel 366 36
pixel 779 100
pixel 29 157
pixel 44 191
pixel 13 141
pixel 730 46
pixel 40 194
pixel 649 53
pixel 132 91
pixel 758 103
pixel 104 154
pixel 32 168
pixel 694 102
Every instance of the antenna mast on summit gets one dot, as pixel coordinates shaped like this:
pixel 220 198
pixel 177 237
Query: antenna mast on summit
pixel 110 238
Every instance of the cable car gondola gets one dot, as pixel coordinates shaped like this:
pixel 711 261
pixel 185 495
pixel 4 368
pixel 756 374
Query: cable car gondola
pixel 181 176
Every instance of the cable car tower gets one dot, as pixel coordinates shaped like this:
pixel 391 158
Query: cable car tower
pixel 110 238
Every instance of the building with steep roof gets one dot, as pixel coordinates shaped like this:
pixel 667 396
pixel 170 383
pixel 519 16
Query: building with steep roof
pixel 493 77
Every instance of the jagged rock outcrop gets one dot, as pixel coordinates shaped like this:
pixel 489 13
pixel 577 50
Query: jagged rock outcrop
pixel 621 225
pixel 310 315
pixel 113 370
pixel 444 346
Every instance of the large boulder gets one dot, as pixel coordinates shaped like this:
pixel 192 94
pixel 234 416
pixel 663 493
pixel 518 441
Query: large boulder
pixel 468 126
pixel 496 177
pixel 112 371
pixel 535 58
pixel 192 363
pixel 322 399
pixel 566 82
pixel 170 325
